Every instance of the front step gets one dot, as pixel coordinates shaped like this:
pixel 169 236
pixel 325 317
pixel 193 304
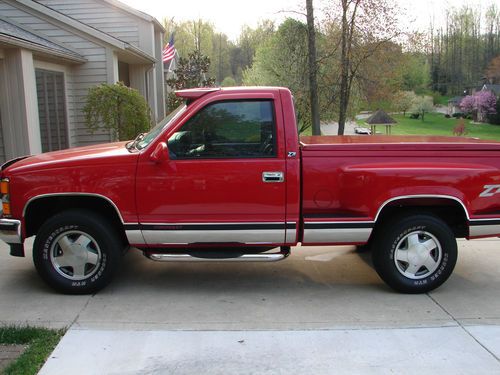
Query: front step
pixel 201 256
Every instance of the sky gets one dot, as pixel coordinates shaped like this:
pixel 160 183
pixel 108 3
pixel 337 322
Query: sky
pixel 229 16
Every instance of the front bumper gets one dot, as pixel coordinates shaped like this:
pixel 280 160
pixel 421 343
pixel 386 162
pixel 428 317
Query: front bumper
pixel 10 231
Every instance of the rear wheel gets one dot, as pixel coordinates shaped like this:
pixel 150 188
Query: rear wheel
pixel 77 252
pixel 415 254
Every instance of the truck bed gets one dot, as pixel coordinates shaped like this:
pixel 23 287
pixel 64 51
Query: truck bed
pixel 380 142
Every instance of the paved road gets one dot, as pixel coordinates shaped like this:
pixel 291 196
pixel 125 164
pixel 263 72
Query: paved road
pixel 317 299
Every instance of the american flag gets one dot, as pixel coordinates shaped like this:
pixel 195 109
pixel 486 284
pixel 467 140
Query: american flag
pixel 168 52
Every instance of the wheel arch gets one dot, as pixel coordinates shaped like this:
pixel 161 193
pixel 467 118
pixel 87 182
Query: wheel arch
pixel 41 207
pixel 448 208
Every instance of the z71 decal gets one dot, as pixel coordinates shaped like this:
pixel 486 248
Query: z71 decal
pixel 490 190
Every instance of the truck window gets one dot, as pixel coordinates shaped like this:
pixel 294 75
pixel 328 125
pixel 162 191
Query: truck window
pixel 229 129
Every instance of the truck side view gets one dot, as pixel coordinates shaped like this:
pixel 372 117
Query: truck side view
pixel 225 178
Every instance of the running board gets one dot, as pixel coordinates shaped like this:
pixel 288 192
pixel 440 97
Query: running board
pixel 220 257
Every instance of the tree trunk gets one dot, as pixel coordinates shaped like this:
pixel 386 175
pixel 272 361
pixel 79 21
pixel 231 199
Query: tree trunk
pixel 344 70
pixel 313 83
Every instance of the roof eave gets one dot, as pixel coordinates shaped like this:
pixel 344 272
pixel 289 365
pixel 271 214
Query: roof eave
pixel 137 52
pixel 68 21
pixel 41 49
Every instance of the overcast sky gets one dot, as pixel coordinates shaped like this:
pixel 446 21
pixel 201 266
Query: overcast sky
pixel 229 16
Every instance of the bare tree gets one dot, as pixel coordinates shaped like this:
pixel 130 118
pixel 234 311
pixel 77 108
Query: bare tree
pixel 313 83
pixel 366 26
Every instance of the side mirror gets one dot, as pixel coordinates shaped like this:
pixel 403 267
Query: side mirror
pixel 160 153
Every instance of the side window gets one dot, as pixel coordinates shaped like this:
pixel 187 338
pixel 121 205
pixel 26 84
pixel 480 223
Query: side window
pixel 229 129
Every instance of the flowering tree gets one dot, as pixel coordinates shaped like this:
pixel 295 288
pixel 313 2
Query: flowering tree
pixel 422 105
pixel 468 104
pixel 481 104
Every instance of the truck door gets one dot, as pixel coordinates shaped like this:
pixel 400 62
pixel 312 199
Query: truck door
pixel 224 182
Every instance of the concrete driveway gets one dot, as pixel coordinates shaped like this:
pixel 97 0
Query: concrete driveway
pixel 318 297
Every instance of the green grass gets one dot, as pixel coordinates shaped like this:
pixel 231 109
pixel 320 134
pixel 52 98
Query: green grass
pixel 443 100
pixel 40 343
pixel 437 124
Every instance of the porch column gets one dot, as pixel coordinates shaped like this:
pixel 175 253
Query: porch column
pixel 21 129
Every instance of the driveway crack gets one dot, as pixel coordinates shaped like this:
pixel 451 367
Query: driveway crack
pixel 462 326
pixel 81 310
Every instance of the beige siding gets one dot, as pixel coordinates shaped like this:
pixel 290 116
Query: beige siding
pixel 104 17
pixel 79 78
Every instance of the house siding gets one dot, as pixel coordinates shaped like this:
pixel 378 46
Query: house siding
pixel 78 78
pixel 102 16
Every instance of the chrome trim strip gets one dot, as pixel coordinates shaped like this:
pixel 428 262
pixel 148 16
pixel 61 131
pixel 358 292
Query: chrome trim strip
pixel 156 237
pixel 421 196
pixel 483 230
pixel 337 235
pixel 10 231
pixel 74 194
pixel 135 237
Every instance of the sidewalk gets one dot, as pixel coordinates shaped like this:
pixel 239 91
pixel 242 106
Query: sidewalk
pixel 444 350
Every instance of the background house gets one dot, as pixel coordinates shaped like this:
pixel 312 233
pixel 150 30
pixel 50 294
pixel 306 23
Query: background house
pixel 495 89
pixel 53 51
pixel 454 105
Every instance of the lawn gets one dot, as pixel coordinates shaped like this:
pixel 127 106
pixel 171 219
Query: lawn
pixel 39 341
pixel 437 124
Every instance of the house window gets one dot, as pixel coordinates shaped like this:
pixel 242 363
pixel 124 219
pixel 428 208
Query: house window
pixel 52 110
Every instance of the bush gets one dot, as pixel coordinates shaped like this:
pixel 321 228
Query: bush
pixel 117 108
pixel 457 115
pixel 494 118
pixel 228 82
pixel 437 97
pixel 447 116
pixel 415 116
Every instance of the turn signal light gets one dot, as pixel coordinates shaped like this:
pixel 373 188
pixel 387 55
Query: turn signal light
pixel 4 187
pixel 6 208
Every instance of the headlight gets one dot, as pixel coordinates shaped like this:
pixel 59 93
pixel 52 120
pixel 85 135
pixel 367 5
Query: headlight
pixel 5 192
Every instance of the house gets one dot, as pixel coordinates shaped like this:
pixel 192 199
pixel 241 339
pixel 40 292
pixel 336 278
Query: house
pixel 495 89
pixel 454 105
pixel 53 51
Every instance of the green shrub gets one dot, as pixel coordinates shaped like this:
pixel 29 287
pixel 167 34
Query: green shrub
pixel 117 108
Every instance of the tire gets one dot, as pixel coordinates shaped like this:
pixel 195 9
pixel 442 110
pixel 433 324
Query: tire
pixel 77 252
pixel 414 253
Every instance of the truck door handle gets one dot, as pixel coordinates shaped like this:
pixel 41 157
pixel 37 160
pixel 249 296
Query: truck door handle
pixel 273 177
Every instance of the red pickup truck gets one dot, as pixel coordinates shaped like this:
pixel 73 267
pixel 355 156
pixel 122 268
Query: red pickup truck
pixel 225 178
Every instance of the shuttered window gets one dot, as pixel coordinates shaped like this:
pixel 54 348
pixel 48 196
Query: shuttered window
pixel 52 110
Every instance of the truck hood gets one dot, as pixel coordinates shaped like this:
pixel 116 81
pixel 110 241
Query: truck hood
pixel 73 157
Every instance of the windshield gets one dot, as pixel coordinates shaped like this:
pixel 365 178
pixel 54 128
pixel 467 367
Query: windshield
pixel 148 138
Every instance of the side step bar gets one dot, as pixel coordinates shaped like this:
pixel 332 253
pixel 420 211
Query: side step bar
pixel 220 257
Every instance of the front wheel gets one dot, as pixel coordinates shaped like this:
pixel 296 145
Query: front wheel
pixel 415 254
pixel 77 252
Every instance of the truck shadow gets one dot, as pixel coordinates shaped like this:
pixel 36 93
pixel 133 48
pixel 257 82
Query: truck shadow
pixel 300 271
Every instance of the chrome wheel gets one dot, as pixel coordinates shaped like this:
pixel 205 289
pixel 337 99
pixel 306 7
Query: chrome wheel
pixel 418 255
pixel 75 255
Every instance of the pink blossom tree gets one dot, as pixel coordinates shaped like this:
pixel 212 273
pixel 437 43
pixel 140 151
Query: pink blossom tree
pixel 481 104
